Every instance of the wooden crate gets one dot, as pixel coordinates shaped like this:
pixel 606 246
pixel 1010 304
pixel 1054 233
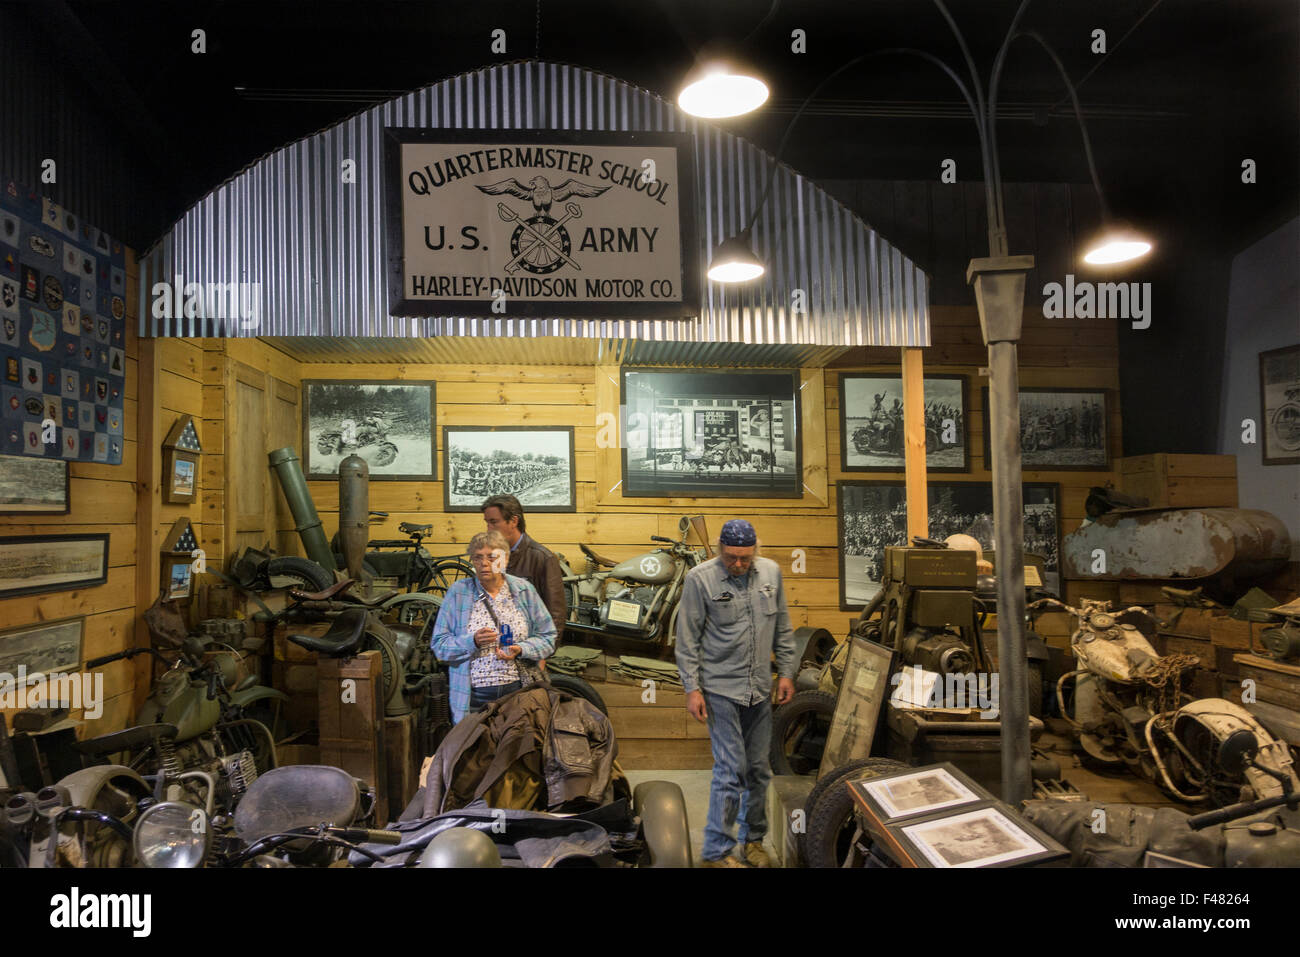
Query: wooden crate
pixel 352 732
pixel 1231 633
pixel 1140 593
pixel 1275 682
pixel 1181 481
pixel 1188 622
pixel 404 760
pixel 1178 645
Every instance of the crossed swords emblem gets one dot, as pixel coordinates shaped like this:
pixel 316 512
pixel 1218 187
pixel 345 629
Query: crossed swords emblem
pixel 546 239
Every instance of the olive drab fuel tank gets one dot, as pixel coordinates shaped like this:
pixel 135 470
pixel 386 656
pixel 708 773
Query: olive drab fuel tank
pixel 652 568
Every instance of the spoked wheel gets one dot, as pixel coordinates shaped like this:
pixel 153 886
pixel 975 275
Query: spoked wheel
pixel 799 729
pixel 446 572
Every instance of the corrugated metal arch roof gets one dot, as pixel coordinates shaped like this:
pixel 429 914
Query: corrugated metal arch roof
pixel 313 248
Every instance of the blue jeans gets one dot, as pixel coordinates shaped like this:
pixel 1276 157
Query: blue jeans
pixel 483 696
pixel 740 736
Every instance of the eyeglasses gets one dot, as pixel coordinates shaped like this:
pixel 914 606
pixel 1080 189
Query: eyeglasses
pixel 481 559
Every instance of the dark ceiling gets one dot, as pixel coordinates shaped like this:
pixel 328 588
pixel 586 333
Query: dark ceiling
pixel 1187 89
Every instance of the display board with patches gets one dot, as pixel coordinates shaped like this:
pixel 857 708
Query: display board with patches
pixel 62 332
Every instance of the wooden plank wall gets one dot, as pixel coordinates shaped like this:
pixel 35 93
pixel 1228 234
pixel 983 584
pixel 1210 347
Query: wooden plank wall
pixel 103 500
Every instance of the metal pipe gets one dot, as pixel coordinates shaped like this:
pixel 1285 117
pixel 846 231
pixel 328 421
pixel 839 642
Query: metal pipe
pixel 1008 537
pixel 294 484
pixel 354 513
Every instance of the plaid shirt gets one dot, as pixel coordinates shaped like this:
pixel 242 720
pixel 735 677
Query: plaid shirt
pixel 453 642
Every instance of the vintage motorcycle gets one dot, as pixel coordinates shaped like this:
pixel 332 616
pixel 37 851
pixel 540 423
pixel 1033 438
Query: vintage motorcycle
pixel 881 436
pixel 371 433
pixel 631 604
pixel 1129 710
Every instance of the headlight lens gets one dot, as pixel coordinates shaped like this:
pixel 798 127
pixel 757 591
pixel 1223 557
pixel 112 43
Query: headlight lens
pixel 172 834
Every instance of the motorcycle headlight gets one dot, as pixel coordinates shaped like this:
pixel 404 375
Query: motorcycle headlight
pixel 172 834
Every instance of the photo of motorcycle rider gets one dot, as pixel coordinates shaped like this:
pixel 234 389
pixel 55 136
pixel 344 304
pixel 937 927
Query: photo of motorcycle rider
pixel 488 627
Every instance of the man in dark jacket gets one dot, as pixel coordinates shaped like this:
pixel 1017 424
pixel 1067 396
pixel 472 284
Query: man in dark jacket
pixel 529 559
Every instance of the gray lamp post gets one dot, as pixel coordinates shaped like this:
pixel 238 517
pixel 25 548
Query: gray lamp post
pixel 999 281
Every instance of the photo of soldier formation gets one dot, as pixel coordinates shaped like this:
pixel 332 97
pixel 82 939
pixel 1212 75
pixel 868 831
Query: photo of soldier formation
pixel 533 479
pixel 1062 429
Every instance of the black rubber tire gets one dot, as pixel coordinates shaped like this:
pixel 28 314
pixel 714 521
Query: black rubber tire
pixel 1034 678
pixel 814 706
pixel 830 820
pixel 573 685
pixel 304 570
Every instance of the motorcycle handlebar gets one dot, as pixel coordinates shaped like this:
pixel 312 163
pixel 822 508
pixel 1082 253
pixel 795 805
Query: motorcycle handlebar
pixel 660 538
pixel 129 653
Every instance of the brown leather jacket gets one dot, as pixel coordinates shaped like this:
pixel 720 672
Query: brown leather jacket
pixel 536 563
pixel 567 739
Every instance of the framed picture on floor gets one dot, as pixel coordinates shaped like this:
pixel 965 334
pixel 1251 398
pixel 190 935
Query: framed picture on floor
pixel 873 515
pixel 33 486
pixel 532 463
pixel 714 434
pixel 871 423
pixel 1279 402
pixel 863 690
pixel 389 424
pixel 1060 430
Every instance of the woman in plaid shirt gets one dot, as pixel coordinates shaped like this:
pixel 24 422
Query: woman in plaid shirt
pixel 466 635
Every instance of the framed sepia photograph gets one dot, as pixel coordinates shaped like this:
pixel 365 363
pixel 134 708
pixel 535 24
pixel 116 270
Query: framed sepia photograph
pixel 1060 430
pixel 532 463
pixel 31 564
pixel 52 647
pixel 985 836
pixel 873 515
pixel 389 424
pixel 1279 403
pixel 871 423
pixel 717 434
pixel 920 792
pixel 863 690
pixel 32 485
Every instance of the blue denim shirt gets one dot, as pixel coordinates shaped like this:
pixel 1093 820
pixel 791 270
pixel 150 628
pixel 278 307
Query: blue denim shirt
pixel 728 630
pixel 454 645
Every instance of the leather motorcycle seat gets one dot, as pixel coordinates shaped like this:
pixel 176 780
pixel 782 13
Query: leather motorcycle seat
pixel 598 559
pixel 337 590
pixel 406 528
pixel 129 739
pixel 342 639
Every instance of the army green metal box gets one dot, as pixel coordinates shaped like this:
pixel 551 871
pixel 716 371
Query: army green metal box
pixel 934 567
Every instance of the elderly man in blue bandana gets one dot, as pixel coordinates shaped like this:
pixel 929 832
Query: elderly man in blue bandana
pixel 731 621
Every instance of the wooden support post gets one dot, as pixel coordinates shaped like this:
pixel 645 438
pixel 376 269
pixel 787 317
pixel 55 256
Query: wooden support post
pixel 148 508
pixel 918 510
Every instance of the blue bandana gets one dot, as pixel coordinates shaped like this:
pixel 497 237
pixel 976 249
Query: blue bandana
pixel 738 533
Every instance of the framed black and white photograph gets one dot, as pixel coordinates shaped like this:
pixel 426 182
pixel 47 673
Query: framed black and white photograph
pixel 1060 430
pixel 30 564
pixel 35 651
pixel 871 423
pixel 389 424
pixel 724 434
pixel 982 837
pixel 862 691
pixel 873 515
pixel 920 792
pixel 1279 401
pixel 31 485
pixel 532 463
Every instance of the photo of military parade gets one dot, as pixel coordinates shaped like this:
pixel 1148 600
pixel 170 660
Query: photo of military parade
pixel 871 420
pixel 533 464
pixel 873 515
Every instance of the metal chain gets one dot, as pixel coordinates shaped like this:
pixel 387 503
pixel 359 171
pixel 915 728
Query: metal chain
pixel 1166 678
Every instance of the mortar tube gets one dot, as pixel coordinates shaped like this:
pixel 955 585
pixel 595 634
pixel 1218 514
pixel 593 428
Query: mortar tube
pixel 288 470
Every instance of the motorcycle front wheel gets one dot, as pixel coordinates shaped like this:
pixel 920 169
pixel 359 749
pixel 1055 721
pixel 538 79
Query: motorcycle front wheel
pixel 384 454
